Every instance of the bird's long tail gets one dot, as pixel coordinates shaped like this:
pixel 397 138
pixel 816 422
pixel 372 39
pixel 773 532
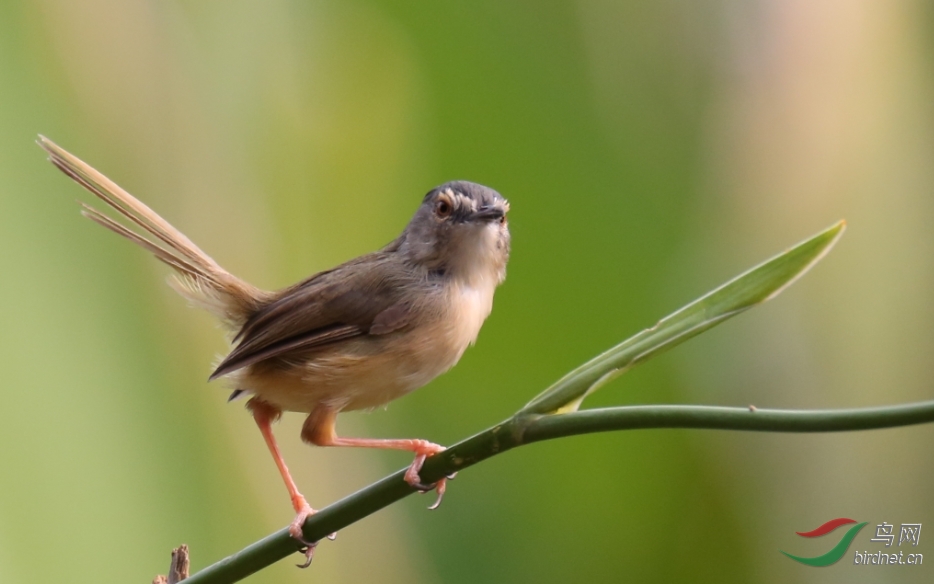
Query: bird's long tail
pixel 198 277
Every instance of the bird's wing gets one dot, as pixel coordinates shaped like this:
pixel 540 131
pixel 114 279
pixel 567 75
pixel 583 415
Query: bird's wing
pixel 362 297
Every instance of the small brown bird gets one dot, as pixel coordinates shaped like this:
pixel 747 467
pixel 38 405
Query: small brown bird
pixel 354 337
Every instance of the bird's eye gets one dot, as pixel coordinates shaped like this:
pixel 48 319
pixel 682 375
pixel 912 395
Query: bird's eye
pixel 502 220
pixel 443 208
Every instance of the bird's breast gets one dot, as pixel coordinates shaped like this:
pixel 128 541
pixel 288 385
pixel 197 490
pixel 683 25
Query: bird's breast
pixel 437 345
pixel 470 305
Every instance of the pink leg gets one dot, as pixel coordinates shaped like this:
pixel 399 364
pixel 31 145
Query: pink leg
pixel 265 415
pixel 320 429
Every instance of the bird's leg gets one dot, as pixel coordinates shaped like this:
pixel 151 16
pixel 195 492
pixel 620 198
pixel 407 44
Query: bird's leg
pixel 320 429
pixel 264 415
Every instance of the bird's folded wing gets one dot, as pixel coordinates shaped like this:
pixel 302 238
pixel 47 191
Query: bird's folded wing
pixel 361 297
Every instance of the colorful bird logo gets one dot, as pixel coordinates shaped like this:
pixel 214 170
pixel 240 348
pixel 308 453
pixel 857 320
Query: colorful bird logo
pixel 838 550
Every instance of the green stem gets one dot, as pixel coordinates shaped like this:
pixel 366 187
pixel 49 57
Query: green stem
pixel 526 429
pixel 721 418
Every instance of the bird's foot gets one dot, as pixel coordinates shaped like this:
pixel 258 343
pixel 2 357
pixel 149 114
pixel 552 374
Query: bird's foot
pixel 424 449
pixel 295 530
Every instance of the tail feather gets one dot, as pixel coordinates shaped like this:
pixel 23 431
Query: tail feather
pixel 199 278
pixel 161 254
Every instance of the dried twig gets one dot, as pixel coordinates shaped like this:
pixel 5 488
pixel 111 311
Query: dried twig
pixel 178 569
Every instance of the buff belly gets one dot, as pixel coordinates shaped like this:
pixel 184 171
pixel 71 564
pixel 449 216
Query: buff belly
pixel 362 374
pixel 371 371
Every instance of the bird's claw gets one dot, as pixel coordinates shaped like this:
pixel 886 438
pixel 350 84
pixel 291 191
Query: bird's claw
pixel 309 549
pixel 440 487
pixel 295 530
pixel 309 552
pixel 415 481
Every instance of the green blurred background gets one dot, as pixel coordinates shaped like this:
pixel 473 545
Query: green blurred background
pixel 650 151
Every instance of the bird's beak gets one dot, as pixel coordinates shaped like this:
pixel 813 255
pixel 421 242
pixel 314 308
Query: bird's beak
pixel 488 214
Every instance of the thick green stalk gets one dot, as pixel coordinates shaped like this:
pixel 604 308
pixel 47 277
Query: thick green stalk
pixel 721 418
pixel 525 429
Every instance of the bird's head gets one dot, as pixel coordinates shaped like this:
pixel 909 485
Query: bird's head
pixel 460 230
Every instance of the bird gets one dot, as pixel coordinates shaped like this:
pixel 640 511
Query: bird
pixel 354 337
